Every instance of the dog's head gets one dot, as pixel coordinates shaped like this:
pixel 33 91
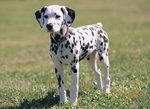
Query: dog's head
pixel 55 17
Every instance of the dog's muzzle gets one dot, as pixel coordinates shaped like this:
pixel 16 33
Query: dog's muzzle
pixel 49 27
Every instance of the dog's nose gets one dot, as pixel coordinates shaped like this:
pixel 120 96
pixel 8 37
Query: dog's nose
pixel 49 26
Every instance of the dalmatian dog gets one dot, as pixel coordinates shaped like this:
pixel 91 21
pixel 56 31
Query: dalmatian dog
pixel 70 45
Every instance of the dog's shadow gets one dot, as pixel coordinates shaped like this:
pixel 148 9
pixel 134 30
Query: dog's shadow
pixel 48 101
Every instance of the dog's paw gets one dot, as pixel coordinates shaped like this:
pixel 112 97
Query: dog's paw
pixel 73 101
pixel 63 101
pixel 107 90
pixel 98 87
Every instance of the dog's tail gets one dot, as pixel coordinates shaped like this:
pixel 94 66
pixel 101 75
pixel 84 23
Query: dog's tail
pixel 99 24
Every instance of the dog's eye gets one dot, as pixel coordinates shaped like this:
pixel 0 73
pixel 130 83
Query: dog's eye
pixel 46 16
pixel 57 16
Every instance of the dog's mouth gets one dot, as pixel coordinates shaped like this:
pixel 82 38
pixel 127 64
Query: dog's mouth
pixel 49 30
pixel 52 30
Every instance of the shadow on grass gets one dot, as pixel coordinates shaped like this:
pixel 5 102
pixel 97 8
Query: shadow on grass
pixel 48 101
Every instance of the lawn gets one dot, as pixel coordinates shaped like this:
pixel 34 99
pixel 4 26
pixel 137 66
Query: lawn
pixel 27 78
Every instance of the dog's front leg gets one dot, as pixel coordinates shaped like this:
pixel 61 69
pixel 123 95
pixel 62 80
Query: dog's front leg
pixel 61 82
pixel 74 82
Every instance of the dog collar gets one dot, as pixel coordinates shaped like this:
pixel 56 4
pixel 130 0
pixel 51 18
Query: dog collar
pixel 64 29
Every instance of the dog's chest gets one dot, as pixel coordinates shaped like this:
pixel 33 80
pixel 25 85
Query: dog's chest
pixel 65 50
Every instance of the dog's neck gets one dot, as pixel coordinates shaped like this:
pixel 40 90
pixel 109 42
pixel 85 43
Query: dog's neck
pixel 64 30
pixel 57 39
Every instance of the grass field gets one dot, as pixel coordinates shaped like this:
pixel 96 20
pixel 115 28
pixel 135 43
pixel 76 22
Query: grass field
pixel 27 78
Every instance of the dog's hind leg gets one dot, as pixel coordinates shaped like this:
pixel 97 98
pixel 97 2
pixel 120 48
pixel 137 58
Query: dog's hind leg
pixel 105 62
pixel 93 63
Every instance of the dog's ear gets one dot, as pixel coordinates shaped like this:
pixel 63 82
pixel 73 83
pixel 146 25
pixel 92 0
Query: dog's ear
pixel 39 14
pixel 69 15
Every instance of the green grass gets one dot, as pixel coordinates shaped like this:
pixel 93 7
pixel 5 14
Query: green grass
pixel 27 78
